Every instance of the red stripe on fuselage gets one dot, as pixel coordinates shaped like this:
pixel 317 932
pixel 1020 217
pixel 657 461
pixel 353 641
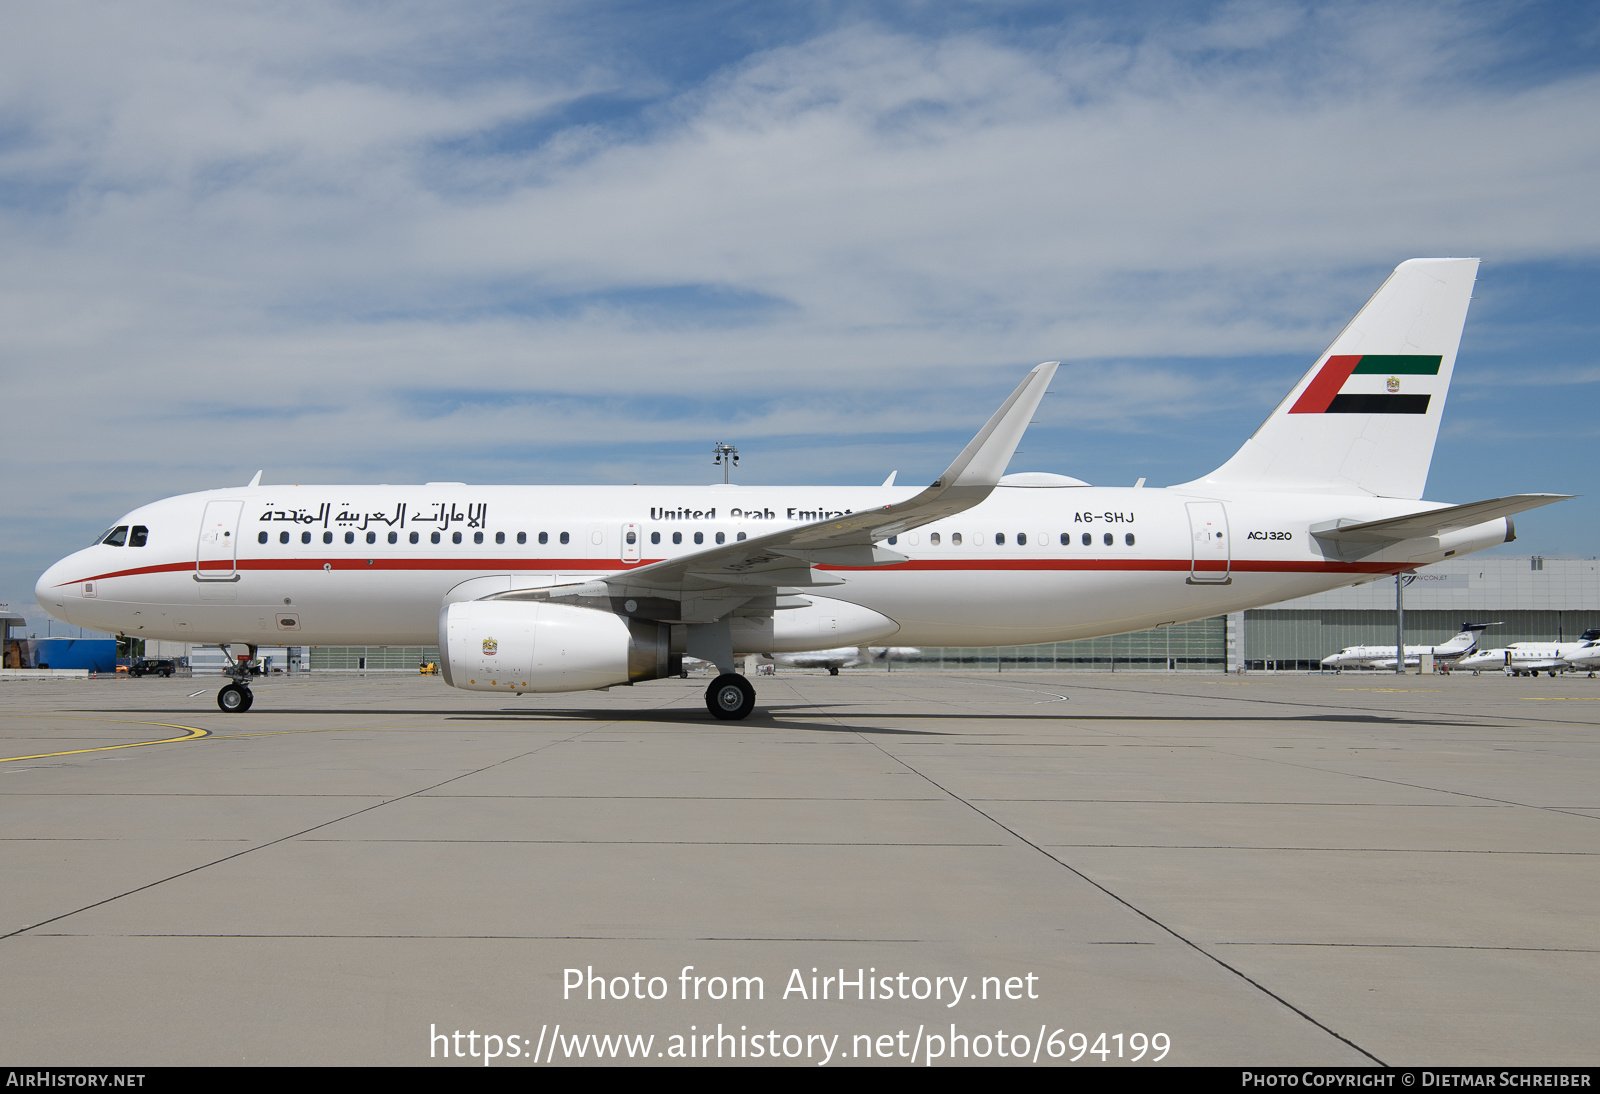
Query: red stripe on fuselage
pixel 1326 384
pixel 495 567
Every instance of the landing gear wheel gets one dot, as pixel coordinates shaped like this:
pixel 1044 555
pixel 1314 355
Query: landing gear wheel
pixel 730 697
pixel 833 671
pixel 234 699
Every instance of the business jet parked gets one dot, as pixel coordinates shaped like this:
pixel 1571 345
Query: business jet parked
pixel 1532 658
pixel 846 657
pixel 548 589
pixel 1382 657
pixel 1586 659
pixel 1515 662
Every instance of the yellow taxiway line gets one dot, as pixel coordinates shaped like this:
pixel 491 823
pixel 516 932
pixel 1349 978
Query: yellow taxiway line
pixel 191 733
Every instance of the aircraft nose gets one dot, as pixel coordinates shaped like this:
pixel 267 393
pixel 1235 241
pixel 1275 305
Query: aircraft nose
pixel 51 592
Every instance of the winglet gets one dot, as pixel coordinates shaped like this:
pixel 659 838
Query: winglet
pixel 986 456
pixel 255 481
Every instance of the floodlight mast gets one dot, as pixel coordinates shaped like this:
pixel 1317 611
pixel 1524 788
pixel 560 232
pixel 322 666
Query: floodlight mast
pixel 725 456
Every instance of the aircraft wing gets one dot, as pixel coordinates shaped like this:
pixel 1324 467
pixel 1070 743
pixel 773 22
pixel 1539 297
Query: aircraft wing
pixel 1435 521
pixel 762 565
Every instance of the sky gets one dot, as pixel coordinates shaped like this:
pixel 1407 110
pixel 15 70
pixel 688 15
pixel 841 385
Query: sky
pixel 582 242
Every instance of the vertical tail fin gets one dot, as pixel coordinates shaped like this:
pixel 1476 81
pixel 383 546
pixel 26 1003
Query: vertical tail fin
pixel 1365 418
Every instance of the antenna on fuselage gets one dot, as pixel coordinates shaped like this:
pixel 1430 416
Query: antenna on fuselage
pixel 255 481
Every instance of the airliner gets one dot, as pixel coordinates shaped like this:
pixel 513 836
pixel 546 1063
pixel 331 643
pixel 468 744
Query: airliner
pixel 565 588
pixel 1382 657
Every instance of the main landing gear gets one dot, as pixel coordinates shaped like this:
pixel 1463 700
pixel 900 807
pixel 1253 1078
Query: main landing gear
pixel 730 697
pixel 236 697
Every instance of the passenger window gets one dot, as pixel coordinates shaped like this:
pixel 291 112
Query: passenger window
pixel 544 537
pixel 565 538
pixel 499 537
pixel 477 537
pixel 699 537
pixel 655 537
pixel 892 540
pixel 721 537
pixel 415 537
pixel 262 538
pixel 305 537
pixel 522 537
pixel 933 538
pixel 955 539
pixel 677 537
pixel 999 539
pixel 138 536
pixel 1066 539
pixel 1110 539
pixel 1088 540
pixel 394 537
pixel 434 537
pixel 283 537
pixel 327 537
pixel 1022 539
pixel 118 536
pixel 372 537
pixel 633 537
pixel 455 537
pixel 1128 539
pixel 349 537
pixel 740 537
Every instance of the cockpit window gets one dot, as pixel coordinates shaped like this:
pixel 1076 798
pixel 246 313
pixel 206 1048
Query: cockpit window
pixel 117 536
pixel 139 535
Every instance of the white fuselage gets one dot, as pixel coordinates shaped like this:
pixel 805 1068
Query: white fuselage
pixel 371 565
pixel 1542 658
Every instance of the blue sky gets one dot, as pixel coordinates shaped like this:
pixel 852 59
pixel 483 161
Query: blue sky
pixel 581 242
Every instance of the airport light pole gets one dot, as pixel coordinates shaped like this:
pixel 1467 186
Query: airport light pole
pixel 1400 583
pixel 725 456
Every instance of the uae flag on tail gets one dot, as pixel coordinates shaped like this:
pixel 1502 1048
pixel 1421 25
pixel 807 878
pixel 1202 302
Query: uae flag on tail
pixel 1372 383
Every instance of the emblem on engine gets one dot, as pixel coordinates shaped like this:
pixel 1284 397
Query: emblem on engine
pixel 490 646
pixel 1394 384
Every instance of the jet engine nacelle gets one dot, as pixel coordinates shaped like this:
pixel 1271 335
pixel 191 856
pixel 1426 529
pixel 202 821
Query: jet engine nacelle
pixel 502 645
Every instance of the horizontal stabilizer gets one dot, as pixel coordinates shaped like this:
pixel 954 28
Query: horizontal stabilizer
pixel 1433 522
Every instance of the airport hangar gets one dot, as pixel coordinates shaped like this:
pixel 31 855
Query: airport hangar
pixel 1534 598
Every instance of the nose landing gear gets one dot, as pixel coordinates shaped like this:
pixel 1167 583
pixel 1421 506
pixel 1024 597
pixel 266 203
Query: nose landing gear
pixel 730 697
pixel 236 697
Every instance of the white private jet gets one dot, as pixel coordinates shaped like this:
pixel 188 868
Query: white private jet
pixel 1382 657
pixel 1532 658
pixel 845 657
pixel 1586 659
pixel 564 588
pixel 1515 662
